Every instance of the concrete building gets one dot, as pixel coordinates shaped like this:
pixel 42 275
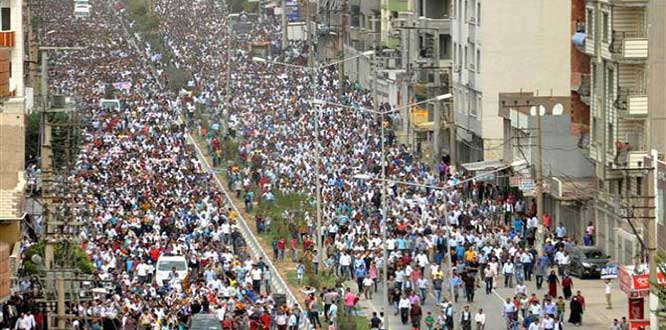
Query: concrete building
pixel 504 46
pixel 414 65
pixel 617 41
pixel 12 120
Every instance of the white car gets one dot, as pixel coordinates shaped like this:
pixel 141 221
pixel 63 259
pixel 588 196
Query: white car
pixel 82 12
pixel 166 263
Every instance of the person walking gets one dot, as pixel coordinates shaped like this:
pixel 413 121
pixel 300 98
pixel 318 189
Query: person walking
pixel 466 318
pixel 480 320
pixel 607 293
pixel 507 270
pixel 567 285
pixel 404 306
pixel 415 314
pixel 553 281
pixel 576 314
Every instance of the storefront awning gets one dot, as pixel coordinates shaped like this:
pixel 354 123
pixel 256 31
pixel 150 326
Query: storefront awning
pixel 486 165
pixel 572 189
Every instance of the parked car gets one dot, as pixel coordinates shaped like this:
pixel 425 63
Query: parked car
pixel 587 261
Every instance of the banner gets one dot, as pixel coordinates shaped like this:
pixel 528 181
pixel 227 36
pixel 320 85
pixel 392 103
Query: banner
pixel 636 308
pixel 126 85
pixel 609 272
pixel 419 115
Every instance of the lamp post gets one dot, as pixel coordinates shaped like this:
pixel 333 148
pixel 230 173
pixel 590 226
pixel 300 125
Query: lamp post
pixel 384 181
pixel 384 211
pixel 312 70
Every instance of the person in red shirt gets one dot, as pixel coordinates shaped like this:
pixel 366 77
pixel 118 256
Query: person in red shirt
pixel 265 320
pixel 281 245
pixel 292 249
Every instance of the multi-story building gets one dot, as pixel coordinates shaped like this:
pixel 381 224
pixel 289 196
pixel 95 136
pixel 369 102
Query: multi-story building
pixel 617 41
pixel 503 47
pixel 414 65
pixel 12 120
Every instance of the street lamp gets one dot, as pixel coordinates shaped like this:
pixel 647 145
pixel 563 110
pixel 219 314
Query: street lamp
pixel 384 181
pixel 312 70
pixel 384 211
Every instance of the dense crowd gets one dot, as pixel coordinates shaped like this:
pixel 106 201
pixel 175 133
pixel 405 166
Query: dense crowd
pixel 138 184
pixel 144 193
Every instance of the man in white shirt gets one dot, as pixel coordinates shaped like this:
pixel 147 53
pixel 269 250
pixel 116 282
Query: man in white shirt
pixel 480 319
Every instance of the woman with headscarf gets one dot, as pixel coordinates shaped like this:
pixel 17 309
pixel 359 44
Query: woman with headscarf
pixel 576 316
pixel 552 284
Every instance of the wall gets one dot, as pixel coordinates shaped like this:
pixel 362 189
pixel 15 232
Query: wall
pixel 580 70
pixel 12 154
pixel 561 155
pixel 526 45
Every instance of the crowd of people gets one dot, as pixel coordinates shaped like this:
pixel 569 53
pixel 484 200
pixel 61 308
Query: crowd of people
pixel 138 185
pixel 143 193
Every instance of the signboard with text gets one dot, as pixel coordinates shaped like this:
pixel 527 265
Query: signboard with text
pixel 609 272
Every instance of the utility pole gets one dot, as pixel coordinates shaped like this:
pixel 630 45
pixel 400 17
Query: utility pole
pixel 385 216
pixel 285 41
pixel 453 136
pixel 46 163
pixel 652 239
pixel 341 46
pixel 308 31
pixel 539 182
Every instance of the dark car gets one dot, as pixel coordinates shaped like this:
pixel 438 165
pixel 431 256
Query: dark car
pixel 587 261
pixel 204 322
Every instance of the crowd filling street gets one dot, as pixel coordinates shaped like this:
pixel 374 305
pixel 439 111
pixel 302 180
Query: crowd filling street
pixel 143 193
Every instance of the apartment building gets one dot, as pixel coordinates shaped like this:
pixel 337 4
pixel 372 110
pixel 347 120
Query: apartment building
pixel 414 65
pixel 617 41
pixel 503 47
pixel 12 120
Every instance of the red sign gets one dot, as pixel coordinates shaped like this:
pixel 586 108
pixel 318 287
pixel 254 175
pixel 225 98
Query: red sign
pixel 636 309
pixel 639 325
pixel 637 285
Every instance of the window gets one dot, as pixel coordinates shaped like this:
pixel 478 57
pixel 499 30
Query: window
pixel 478 13
pixel 596 130
pixel 589 20
pixel 473 104
pixel 455 53
pixel 6 19
pixel 610 83
pixel 465 57
pixel 478 60
pixel 610 142
pixel 639 186
pixel 444 47
pixel 606 27
pixel 460 16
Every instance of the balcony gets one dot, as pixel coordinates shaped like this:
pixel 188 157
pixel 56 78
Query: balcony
pixel 629 3
pixel 7 39
pixel 632 103
pixel 442 25
pixel 471 32
pixel 629 47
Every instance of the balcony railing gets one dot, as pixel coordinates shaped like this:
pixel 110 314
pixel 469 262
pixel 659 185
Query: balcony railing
pixel 7 39
pixel 628 46
pixel 632 102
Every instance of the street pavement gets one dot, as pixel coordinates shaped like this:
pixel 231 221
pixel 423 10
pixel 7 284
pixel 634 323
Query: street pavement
pixel 596 316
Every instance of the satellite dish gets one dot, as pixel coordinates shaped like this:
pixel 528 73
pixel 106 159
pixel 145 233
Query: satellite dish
pixel 558 109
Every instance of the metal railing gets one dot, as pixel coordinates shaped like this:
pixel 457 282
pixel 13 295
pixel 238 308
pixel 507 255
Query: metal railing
pixel 277 282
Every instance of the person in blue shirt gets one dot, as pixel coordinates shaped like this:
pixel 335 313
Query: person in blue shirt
pixel 518 224
pixel 455 282
pixel 360 273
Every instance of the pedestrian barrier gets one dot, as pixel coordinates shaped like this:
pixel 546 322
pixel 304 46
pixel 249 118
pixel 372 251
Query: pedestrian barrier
pixel 277 282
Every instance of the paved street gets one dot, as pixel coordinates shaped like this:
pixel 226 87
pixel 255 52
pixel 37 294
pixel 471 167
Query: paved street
pixel 595 317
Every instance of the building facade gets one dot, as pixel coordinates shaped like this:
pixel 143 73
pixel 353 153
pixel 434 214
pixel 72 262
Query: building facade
pixel 12 120
pixel 501 47
pixel 617 41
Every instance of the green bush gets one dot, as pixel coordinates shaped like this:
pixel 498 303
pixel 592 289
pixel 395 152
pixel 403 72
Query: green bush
pixel 178 78
pixel 75 257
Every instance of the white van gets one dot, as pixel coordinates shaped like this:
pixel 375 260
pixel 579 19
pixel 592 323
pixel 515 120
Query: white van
pixel 82 12
pixel 166 263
